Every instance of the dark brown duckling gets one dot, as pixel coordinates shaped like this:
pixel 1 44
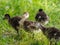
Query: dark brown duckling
pixel 41 17
pixel 51 33
pixel 13 21
pixel 31 27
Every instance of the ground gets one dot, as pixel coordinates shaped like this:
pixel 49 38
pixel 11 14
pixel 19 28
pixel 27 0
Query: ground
pixel 8 35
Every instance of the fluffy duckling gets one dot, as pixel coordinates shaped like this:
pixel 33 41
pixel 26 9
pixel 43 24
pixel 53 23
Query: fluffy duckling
pixel 15 21
pixel 51 33
pixel 31 27
pixel 41 17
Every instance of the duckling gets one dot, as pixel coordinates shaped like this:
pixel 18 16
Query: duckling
pixel 16 21
pixel 31 27
pixel 41 17
pixel 52 33
pixel 13 21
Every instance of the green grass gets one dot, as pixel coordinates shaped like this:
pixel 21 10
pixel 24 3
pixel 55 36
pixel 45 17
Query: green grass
pixel 8 35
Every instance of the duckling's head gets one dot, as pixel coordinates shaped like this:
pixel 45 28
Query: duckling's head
pixel 6 16
pixel 40 10
pixel 26 15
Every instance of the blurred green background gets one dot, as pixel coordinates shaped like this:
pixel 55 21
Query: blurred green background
pixel 8 35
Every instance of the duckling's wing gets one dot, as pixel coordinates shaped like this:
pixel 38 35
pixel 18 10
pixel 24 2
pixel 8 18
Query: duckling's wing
pixel 17 18
pixel 53 32
pixel 30 25
pixel 15 21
